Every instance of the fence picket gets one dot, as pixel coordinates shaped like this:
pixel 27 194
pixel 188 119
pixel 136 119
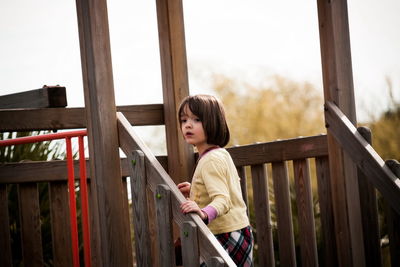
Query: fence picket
pixel 287 251
pixel 308 243
pixel 190 244
pixel 28 198
pixel 164 225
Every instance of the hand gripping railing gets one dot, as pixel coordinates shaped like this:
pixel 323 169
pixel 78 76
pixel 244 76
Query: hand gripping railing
pixel 71 186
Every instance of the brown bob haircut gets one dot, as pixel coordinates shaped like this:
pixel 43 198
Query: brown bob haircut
pixel 211 113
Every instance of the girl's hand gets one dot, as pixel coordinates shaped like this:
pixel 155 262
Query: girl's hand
pixel 190 206
pixel 184 188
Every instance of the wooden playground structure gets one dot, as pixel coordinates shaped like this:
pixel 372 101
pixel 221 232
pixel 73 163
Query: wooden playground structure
pixel 348 170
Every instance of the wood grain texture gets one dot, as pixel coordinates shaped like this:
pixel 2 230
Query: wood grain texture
pixel 190 244
pixel 46 97
pixel 25 172
pixel 338 87
pixel 31 119
pixel 364 155
pixel 175 85
pixel 31 237
pixel 297 148
pixel 164 225
pixel 60 224
pixel 100 113
pixel 5 240
pixel 308 242
pixel 263 215
pixel 326 210
pixel 369 212
pixel 287 251
pixel 139 205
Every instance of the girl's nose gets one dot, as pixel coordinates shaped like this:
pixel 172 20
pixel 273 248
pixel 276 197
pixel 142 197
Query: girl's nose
pixel 188 124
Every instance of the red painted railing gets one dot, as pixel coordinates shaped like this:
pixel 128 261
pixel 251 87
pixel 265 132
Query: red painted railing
pixel 71 186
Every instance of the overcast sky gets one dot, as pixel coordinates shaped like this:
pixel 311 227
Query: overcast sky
pixel 245 39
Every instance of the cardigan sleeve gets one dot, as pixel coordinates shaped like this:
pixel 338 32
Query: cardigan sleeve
pixel 214 175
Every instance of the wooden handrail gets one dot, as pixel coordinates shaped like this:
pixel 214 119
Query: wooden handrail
pixel 362 153
pixel 130 142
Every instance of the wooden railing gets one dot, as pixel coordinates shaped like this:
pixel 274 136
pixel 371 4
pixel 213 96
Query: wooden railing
pixel 280 206
pixel 147 172
pixel 281 159
pixel 384 176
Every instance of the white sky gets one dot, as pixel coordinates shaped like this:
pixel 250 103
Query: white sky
pixel 245 39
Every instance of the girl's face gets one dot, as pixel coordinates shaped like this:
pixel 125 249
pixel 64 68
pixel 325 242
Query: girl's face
pixel 192 129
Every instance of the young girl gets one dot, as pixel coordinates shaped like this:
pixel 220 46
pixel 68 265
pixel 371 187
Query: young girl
pixel 215 193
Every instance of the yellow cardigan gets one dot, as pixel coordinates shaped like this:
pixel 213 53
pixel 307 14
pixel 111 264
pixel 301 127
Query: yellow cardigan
pixel 216 183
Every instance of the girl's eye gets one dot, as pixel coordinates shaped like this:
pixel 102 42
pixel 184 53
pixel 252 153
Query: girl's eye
pixel 183 120
pixel 197 119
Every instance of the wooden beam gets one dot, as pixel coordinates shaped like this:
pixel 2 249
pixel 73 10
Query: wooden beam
pixel 46 97
pixel 281 150
pixel 175 85
pixel 338 87
pixel 72 118
pixel 51 171
pixel 102 135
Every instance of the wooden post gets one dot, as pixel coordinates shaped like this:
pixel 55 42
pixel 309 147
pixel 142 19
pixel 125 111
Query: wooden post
pixel 338 87
pixel 175 85
pixel 113 247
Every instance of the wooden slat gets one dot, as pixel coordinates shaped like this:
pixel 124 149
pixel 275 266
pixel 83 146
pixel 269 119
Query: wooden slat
pixel 287 251
pixel 46 97
pixel 129 141
pixel 25 172
pixel 393 220
pixel 308 242
pixel 243 184
pixel 364 155
pixel 28 198
pixel 127 223
pixel 5 240
pixel 190 245
pixel 297 148
pixel 369 213
pixel 326 210
pixel 164 225
pixel 139 206
pixel 60 224
pixel 175 85
pixel 72 118
pixel 263 218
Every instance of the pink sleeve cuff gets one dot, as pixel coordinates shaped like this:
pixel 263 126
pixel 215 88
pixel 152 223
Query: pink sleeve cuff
pixel 211 213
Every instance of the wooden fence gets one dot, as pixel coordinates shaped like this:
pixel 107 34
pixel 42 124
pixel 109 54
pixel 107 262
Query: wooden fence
pixel 277 178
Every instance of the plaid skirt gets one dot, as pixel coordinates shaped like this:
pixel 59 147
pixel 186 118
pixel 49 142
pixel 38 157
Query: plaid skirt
pixel 239 245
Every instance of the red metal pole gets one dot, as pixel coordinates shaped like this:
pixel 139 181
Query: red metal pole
pixel 84 203
pixel 43 137
pixel 72 203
